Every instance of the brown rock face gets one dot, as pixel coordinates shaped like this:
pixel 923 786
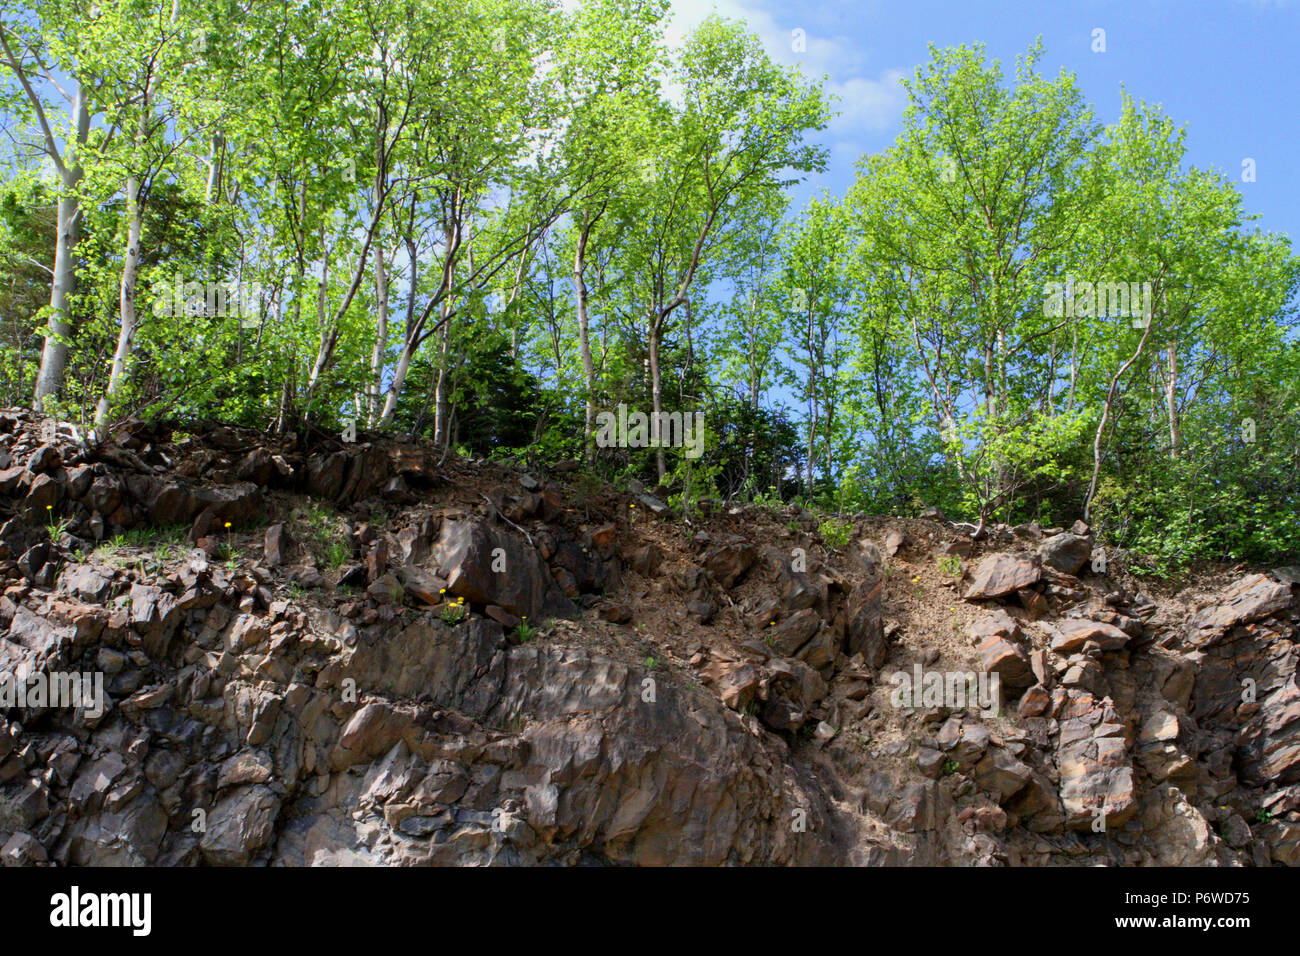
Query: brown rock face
pixel 1073 634
pixel 1066 552
pixel 999 656
pixel 609 760
pixel 1096 773
pixel 314 723
pixel 1001 575
pixel 864 624
pixel 487 565
pixel 730 562
pixel 1249 600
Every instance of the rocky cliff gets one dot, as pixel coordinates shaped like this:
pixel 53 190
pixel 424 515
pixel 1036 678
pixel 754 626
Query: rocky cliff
pixel 329 653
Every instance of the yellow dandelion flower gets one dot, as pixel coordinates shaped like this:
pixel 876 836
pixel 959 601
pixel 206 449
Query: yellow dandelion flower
pixel 227 524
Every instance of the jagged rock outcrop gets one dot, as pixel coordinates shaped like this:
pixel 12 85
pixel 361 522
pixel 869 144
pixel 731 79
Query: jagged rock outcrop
pixel 454 670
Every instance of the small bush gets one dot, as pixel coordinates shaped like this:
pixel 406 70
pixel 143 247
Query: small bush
pixel 835 533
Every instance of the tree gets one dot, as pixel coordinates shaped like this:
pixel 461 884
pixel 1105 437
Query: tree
pixel 969 213
pixel 35 47
pixel 740 131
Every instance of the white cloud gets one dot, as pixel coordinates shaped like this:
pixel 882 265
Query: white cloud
pixel 689 14
pixel 866 104
pixel 869 97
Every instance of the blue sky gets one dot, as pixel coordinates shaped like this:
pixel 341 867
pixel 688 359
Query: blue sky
pixel 1228 70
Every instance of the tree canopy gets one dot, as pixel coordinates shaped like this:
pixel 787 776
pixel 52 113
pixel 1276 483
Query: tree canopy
pixel 486 222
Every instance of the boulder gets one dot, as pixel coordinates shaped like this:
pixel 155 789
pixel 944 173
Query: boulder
pixel 1001 773
pixel 1000 575
pixel 1251 599
pixel 895 541
pixel 730 562
pixel 487 565
pixel 864 627
pixel 865 558
pixel 794 632
pixel 278 545
pixel 1066 552
pixel 997 655
pixel 1268 744
pixel 242 823
pixel 1093 760
pixel 735 681
pixel 995 623
pixel 421 584
pixel 1074 633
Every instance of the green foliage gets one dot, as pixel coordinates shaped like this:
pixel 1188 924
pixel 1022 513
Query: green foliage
pixel 337 554
pixel 835 533
pixel 453 612
pixel 950 564
pixel 55 527
pixel 483 223
pixel 754 450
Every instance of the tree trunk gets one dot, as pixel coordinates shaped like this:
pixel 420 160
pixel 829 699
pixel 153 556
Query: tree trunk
pixel 328 333
pixel 584 341
pixel 409 343
pixel 1171 400
pixel 331 330
pixel 126 304
pixel 216 164
pixel 381 338
pixel 514 294
pixel 1074 363
pixel 1105 416
pixel 814 410
pixel 440 404
pixel 54 356
pixel 287 410
pixel 656 391
pixel 400 372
